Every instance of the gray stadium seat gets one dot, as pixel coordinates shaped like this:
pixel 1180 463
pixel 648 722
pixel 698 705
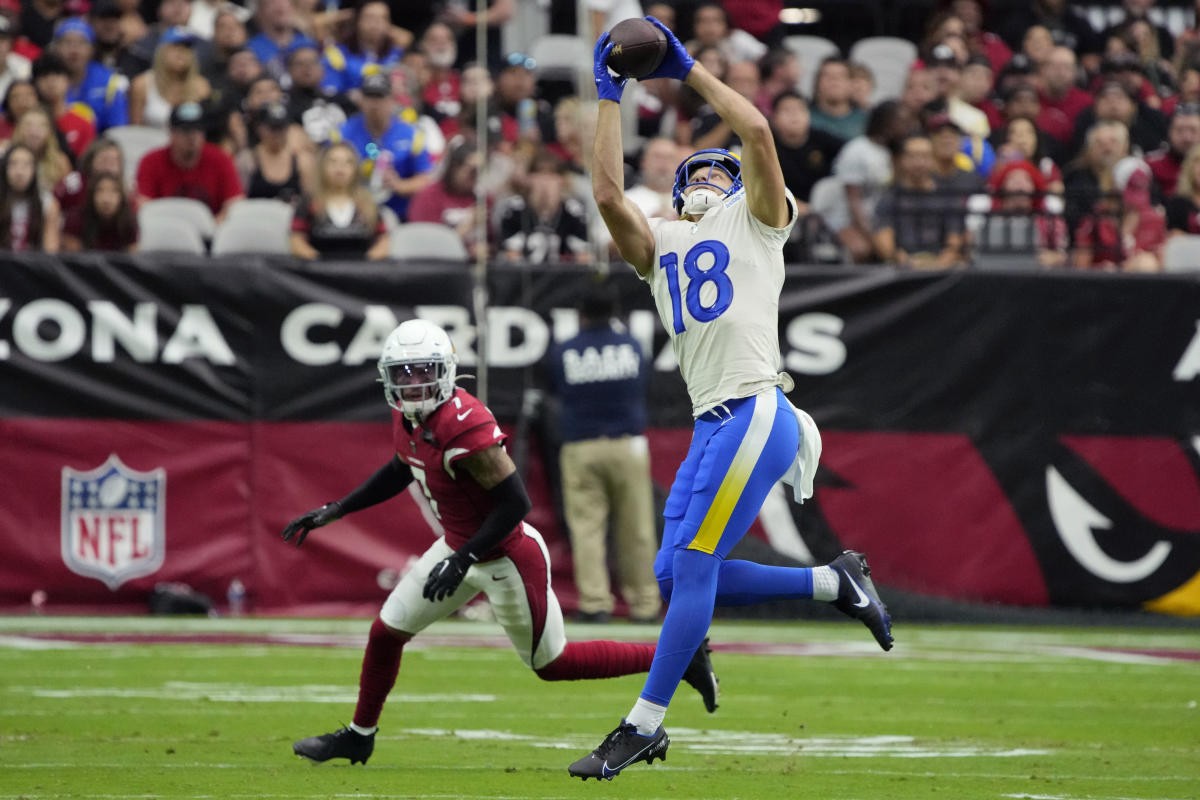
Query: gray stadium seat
pixel 427 240
pixel 561 55
pixel 1182 254
pixel 184 209
pixel 828 201
pixel 811 50
pixel 169 235
pixel 254 226
pixel 135 141
pixel 889 59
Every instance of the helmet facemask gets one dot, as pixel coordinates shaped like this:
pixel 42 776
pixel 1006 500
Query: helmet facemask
pixel 417 369
pixel 697 171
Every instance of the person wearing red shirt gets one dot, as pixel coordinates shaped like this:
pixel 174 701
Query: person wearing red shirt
pixel 190 167
pixel 75 121
pixel 451 200
pixel 1059 91
pixel 1183 134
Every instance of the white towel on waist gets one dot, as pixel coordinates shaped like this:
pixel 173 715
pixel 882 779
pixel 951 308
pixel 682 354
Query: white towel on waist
pixel 804 469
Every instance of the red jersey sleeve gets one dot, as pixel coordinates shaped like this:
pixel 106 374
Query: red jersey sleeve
pixel 464 426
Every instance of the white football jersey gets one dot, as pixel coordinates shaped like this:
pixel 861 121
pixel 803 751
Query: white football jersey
pixel 716 283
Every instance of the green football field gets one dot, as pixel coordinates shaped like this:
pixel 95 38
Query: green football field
pixel 195 708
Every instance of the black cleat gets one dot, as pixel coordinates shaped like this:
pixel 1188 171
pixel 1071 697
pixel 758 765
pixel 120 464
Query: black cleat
pixel 857 596
pixel 700 676
pixel 345 743
pixel 622 747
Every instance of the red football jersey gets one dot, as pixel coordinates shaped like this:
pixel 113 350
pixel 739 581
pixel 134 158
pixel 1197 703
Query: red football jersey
pixel 457 428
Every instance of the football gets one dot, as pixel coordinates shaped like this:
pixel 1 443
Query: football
pixel 638 48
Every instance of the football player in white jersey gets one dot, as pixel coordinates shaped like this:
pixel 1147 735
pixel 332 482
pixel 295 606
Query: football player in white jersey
pixel 715 274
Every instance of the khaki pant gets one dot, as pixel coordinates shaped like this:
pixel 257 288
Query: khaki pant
pixel 602 476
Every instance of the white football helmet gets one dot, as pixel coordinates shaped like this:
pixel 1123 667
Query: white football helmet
pixel 417 368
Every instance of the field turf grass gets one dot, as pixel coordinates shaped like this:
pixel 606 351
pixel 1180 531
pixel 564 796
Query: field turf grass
pixel 166 708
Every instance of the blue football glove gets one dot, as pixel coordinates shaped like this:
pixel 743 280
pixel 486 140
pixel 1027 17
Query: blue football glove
pixel 446 576
pixel 676 63
pixel 608 86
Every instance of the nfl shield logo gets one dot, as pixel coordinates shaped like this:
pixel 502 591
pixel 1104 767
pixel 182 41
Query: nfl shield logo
pixel 112 521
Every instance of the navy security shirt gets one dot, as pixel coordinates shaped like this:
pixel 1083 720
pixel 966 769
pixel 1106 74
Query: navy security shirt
pixel 600 376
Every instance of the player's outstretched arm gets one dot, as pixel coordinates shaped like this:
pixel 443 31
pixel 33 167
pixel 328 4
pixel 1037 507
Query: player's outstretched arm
pixel 626 222
pixel 761 173
pixel 385 483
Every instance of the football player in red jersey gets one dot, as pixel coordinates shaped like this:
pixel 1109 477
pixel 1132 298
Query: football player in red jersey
pixel 449 442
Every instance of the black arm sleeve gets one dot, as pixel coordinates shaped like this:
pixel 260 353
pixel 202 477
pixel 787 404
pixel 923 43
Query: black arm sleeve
pixel 387 482
pixel 512 504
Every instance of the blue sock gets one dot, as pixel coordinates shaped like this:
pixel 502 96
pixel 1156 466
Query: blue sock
pixel 687 620
pixel 741 583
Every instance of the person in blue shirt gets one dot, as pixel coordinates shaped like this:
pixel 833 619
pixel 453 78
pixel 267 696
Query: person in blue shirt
pixel 277 35
pixel 372 45
pixel 396 164
pixel 599 377
pixel 94 86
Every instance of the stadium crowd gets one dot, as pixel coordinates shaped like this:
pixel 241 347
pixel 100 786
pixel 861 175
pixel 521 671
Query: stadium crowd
pixel 1027 137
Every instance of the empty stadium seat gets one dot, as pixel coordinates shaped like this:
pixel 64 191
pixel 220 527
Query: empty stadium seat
pixel 561 55
pixel 889 59
pixel 169 235
pixel 811 50
pixel 135 141
pixel 1182 254
pixel 254 226
pixel 427 240
pixel 184 209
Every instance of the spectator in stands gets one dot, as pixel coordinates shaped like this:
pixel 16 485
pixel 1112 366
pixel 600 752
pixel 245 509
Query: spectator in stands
pixel 516 90
pixel 274 168
pixel 1183 208
pixel 1020 140
pixel 805 154
pixel 320 109
pixel 132 24
pixel 36 131
pixel 12 65
pixel 229 37
pixel 976 85
pixel 1058 77
pixel 1037 44
pixel 29 218
pixel 656 179
pixel 1140 41
pixel 20 97
pixel 102 155
pixel 105 221
pixel 545 225
pixel 915 225
pixel 862 85
pixel 277 34
pixel 864 166
pixel 1125 231
pixel 371 44
pixel 781 71
pixel 710 26
pixel 947 72
pixel 462 19
pixel 339 220
pixel 833 110
pixel 1147 126
pixel 109 47
pixel 1068 27
pixel 476 83
pixel 1020 224
pixel 139 56
pixel 572 141
pixel 174 78
pixel 450 201
pixel 51 79
pixel 1089 180
pixel 396 161
pixel 1182 135
pixel 953 171
pixel 227 98
pixel 1139 11
pixel 979 40
pixel 190 167
pixel 441 93
pixel 920 89
pixel 1189 88
pixel 91 83
pixel 745 79
pixel 38 18
pixel 263 90
pixel 1022 101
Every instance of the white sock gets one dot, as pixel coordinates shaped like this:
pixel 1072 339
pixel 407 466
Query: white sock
pixel 646 716
pixel 362 730
pixel 825 584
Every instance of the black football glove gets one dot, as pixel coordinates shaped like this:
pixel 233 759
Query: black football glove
pixel 317 518
pixel 446 576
